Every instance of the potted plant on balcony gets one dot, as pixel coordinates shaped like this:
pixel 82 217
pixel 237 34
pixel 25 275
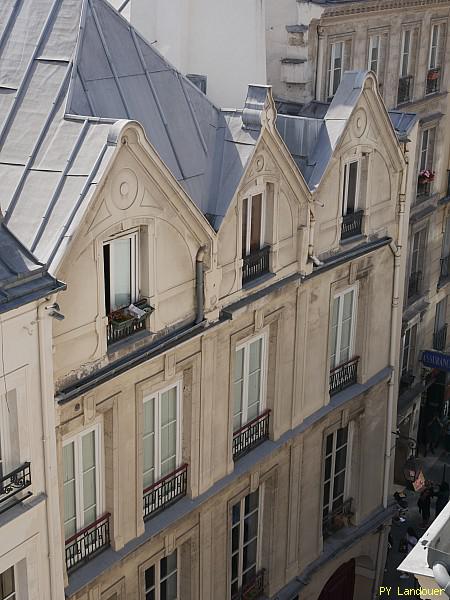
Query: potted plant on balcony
pixel 433 74
pixel 120 319
pixel 426 176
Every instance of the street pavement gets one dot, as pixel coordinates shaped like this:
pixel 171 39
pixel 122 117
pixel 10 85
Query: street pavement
pixel 433 469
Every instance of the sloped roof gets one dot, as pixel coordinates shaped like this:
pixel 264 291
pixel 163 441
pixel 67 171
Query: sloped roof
pixel 312 140
pixel 22 278
pixel 69 69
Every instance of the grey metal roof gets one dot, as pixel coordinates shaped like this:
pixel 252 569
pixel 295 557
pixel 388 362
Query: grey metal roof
pixel 69 69
pixel 312 131
pixel 22 278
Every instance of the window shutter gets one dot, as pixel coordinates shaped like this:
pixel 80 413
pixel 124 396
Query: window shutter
pixel 413 52
pixel 347 55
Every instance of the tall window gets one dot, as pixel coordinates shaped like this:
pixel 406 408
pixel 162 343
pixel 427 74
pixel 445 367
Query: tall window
pixel 161 580
pixel 374 53
pixel 248 381
pixel 339 62
pixel 409 350
pixel 436 45
pixel 120 272
pixel 407 65
pixel 427 149
pixel 342 327
pixel 253 223
pixel 161 434
pixel 417 259
pixel 245 540
pixel 9 433
pixel 406 53
pixel 335 470
pixel 7 585
pixel 351 181
pixel 82 481
pixel 441 315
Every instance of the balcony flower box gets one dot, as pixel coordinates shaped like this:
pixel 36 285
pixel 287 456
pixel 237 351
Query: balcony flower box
pixel 120 319
pixel 125 321
pixel 433 75
pixel 426 176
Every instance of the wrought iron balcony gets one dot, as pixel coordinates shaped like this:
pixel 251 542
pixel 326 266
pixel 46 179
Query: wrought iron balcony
pixel 87 543
pixel 255 264
pixel 251 434
pixel 445 268
pixel 122 324
pixel 343 376
pixel 14 482
pixel 165 492
pixel 433 80
pixel 337 519
pixel 253 589
pixel 405 89
pixel 440 338
pixel 351 225
pixel 414 284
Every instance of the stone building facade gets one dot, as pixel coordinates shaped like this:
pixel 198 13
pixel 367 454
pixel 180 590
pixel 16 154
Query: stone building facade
pixel 225 371
pixel 309 46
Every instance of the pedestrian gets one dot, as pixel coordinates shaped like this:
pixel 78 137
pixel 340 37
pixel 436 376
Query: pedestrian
pixel 409 541
pixel 442 496
pixel 434 430
pixel 424 505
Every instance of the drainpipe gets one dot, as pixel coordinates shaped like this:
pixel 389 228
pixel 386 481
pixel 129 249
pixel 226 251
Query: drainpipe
pixel 55 551
pixel 312 257
pixel 199 284
pixel 442 577
pixel 395 310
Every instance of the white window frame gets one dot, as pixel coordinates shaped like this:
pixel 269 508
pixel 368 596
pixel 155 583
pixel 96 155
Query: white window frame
pixel 423 156
pixel 156 397
pixel 6 450
pixel 249 200
pixel 435 27
pixel 403 53
pixel 134 258
pixel 13 595
pixel 99 473
pixel 157 569
pixel 375 36
pixel 241 501
pixel 341 293
pixel 347 470
pixel 331 68
pixel 346 180
pixel 246 347
pixel 408 369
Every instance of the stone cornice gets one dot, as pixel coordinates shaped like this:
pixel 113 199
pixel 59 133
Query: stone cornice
pixel 370 6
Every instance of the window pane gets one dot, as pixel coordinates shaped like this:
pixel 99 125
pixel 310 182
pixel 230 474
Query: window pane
pixel 249 576
pixel 326 494
pixel 249 555
pixel 239 365
pixel 254 389
pixel 149 578
pixel 255 356
pixel 149 453
pixel 168 406
pixel 255 225
pixel 88 450
pixel 342 435
pixel 236 512
pixel 169 588
pixel 338 487
pixel 235 538
pixel 168 564
pixel 121 270
pixel 150 595
pixel 251 502
pixel 7 586
pixel 149 416
pixel 327 468
pixel 238 390
pixel 348 305
pixel 251 526
pixel 234 566
pixel 69 490
pixel 351 190
pixel 329 444
pixel 341 456
pixel 244 226
pixel 168 441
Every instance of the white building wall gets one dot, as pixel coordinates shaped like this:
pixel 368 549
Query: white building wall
pixel 223 40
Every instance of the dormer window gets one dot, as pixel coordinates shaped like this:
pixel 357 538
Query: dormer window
pixel 255 253
pixel 354 183
pixel 120 269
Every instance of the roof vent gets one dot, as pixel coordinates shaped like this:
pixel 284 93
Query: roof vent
pixel 198 80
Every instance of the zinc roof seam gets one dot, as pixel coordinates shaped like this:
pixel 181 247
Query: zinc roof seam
pixel 56 193
pixel 194 116
pixel 76 52
pixel 18 96
pixel 11 20
pixel 42 134
pixel 157 100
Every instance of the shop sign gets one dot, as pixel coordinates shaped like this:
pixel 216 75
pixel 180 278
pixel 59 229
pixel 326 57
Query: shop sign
pixel 436 360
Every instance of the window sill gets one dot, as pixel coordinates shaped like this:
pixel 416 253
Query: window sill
pixel 258 281
pixel 360 237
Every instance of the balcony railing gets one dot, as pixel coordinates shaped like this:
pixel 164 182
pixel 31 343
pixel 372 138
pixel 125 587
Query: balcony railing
pixel 351 224
pixel 255 264
pixel 14 482
pixel 423 190
pixel 433 80
pixel 87 543
pixel 337 519
pixel 121 324
pixel 166 491
pixel 414 283
pixel 405 88
pixel 343 376
pixel 440 338
pixel 445 268
pixel 253 589
pixel 251 434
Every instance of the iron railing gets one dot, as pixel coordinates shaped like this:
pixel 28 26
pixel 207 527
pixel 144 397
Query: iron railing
pixel 14 482
pixel 343 376
pixel 433 80
pixel 414 284
pixel 253 589
pixel 251 434
pixel 119 329
pixel 351 224
pixel 440 338
pixel 255 264
pixel 405 88
pixel 337 518
pixel 445 267
pixel 87 543
pixel 166 491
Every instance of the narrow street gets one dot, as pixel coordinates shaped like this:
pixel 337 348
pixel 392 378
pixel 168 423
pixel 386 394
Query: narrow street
pixel 433 469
